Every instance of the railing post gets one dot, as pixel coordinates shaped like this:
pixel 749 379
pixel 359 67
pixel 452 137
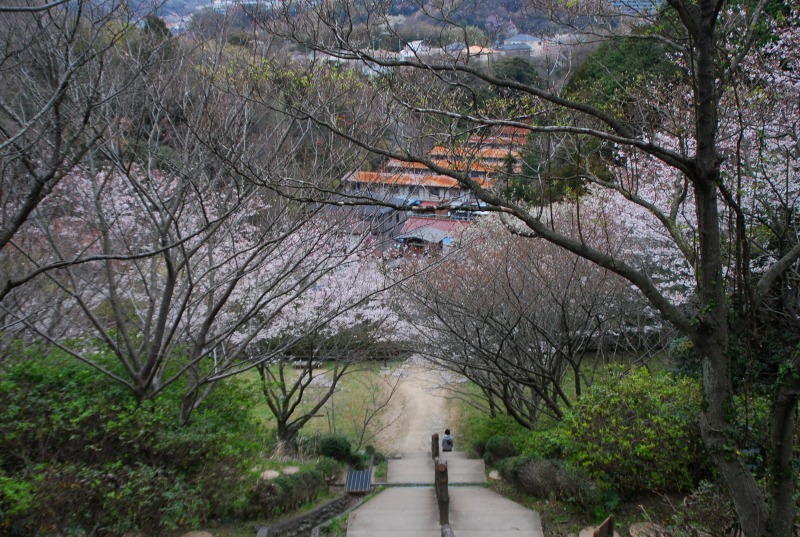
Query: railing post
pixel 606 529
pixel 435 446
pixel 442 494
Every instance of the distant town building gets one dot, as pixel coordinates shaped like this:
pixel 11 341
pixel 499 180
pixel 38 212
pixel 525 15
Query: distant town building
pixel 429 236
pixel 637 7
pixel 512 50
pixel 454 51
pixel 176 24
pixel 365 66
pixel 222 6
pixel 536 45
pixel 418 49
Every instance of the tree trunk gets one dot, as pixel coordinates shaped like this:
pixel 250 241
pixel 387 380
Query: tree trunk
pixel 286 435
pixel 784 414
pixel 711 334
pixel 187 406
pixel 712 340
pixel 718 437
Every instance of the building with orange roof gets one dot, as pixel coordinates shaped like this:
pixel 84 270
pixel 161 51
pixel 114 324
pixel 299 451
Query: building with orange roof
pixel 423 187
pixel 485 163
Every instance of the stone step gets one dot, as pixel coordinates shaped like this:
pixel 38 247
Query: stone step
pixel 410 471
pixel 452 455
pixel 412 512
pixel 479 512
pixel 417 455
pixel 397 512
pixel 417 469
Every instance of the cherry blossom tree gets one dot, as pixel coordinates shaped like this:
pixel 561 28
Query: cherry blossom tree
pixel 167 252
pixel 514 316
pixel 56 62
pixel 329 332
pixel 703 164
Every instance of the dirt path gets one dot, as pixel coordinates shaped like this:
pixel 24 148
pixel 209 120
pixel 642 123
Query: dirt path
pixel 418 409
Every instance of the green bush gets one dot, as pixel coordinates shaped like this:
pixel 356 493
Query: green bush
pixel 509 467
pixel 685 359
pixel 639 431
pixel 551 479
pixel 329 469
pixel 753 428
pixel 336 447
pixel 708 510
pixel 78 454
pixel 16 496
pixel 547 443
pixel 285 493
pixel 482 428
pixel 109 499
pixel 499 448
pixel 380 458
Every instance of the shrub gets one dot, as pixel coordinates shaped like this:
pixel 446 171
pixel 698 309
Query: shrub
pixel 16 496
pixel 551 479
pixel 539 478
pixel 80 455
pixel 499 448
pixel 509 467
pixel 638 431
pixel 546 444
pixel 482 428
pixel 336 447
pixel 329 469
pixel 378 457
pixel 111 499
pixel 753 430
pixel 707 510
pixel 685 359
pixel 285 493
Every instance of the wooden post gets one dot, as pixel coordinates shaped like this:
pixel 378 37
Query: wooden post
pixel 606 529
pixel 435 446
pixel 442 494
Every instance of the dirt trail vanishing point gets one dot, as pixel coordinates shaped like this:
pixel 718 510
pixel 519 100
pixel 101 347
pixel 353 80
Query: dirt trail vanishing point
pixel 418 409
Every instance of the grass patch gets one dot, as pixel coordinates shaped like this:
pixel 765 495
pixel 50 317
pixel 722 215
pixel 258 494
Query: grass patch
pixel 337 527
pixel 349 412
pixel 381 470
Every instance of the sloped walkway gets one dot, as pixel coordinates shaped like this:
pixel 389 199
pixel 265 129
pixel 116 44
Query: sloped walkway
pixel 411 511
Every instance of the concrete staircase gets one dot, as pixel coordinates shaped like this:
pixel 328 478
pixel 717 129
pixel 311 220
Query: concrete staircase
pixel 403 510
